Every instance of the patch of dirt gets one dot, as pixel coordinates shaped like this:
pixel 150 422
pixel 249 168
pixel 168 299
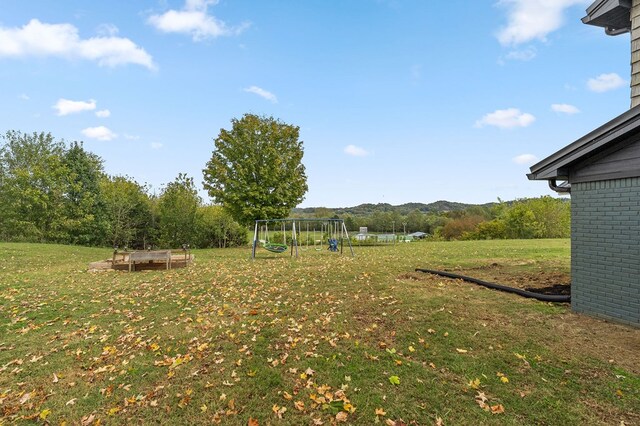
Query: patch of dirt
pixel 544 282
pixel 558 289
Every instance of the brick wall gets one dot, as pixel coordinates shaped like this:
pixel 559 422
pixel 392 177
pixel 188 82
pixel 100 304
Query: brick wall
pixel 635 53
pixel 605 249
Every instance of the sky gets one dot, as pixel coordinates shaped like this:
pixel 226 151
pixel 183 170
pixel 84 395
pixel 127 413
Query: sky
pixel 397 100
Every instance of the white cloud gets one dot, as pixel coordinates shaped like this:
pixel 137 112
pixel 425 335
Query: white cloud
pixel 66 106
pixel 62 40
pixel 103 113
pixel 532 19
pixel 107 30
pixel 262 93
pixel 525 159
pixel 522 55
pixel 156 145
pixel 194 20
pixel 131 137
pixel 506 119
pixel 356 151
pixel 101 133
pixel 605 82
pixel 24 96
pixel 565 108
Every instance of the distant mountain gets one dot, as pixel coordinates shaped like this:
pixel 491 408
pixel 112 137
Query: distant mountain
pixel 403 209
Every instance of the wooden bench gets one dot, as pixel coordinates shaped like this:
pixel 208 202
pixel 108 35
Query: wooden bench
pixel 149 256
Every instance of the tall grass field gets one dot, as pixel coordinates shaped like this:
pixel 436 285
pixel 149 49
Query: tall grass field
pixel 323 339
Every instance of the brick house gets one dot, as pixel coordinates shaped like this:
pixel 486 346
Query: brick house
pixel 601 171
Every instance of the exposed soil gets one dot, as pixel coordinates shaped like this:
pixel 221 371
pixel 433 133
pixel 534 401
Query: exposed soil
pixel 560 289
pixel 544 282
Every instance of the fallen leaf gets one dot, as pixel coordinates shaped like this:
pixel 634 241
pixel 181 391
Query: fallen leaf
pixel 461 351
pixel 341 416
pixel 394 380
pixel 87 420
pixel 253 422
pixel 278 411
pixel 380 412
pixel 481 400
pixel 26 397
pixel 497 409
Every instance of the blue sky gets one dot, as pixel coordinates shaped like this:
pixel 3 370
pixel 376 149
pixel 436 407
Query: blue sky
pixel 397 101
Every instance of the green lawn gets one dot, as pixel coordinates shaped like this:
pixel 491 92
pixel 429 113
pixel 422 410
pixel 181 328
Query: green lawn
pixel 322 339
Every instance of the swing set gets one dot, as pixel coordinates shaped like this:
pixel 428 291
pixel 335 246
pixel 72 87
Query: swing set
pixel 334 230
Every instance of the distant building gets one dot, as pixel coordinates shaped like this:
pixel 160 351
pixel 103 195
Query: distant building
pixel 386 238
pixel 361 237
pixel 418 235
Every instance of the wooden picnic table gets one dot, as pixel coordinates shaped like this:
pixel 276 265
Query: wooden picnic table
pixel 149 256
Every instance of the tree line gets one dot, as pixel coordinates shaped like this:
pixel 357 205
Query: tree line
pixel 54 192
pixel 543 217
pixel 59 193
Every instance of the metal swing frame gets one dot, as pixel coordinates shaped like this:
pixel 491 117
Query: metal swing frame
pixel 336 228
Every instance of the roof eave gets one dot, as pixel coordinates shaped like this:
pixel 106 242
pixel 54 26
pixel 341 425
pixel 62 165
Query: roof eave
pixel 556 165
pixel 613 15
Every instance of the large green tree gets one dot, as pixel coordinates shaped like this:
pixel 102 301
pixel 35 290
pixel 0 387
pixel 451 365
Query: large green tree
pixel 32 187
pixel 84 209
pixel 256 170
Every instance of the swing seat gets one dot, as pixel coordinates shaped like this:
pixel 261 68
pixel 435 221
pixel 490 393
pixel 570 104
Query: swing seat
pixel 275 248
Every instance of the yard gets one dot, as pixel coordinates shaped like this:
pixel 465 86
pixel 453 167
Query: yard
pixel 323 339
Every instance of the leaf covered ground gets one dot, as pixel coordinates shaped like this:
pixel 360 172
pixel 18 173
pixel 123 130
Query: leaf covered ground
pixel 324 339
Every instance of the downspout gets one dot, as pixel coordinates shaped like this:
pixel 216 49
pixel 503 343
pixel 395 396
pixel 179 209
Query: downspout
pixel 560 189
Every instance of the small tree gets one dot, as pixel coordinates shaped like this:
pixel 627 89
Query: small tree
pixel 128 210
pixel 177 212
pixel 256 170
pixel 216 228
